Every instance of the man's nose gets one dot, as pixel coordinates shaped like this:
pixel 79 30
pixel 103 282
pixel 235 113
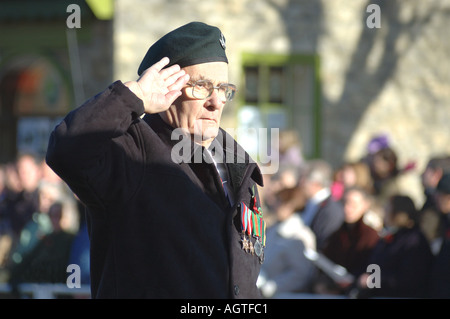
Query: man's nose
pixel 215 101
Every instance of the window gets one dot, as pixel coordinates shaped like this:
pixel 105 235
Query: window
pixel 284 89
pixel 251 84
pixel 276 84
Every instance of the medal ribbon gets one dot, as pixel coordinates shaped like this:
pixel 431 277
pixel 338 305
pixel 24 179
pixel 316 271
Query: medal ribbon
pixel 253 223
pixel 244 221
pixel 249 222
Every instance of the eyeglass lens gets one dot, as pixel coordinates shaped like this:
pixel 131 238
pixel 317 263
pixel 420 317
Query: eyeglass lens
pixel 204 89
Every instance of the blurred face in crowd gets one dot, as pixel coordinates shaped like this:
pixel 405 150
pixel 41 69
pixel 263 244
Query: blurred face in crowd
pixel 400 219
pixel 384 163
pixel 427 178
pixel 348 175
pixel 285 179
pixel 201 118
pixel 29 172
pixel 288 201
pixel 2 178
pixel 48 194
pixel 12 180
pixel 396 212
pixel 310 187
pixel 355 205
pixel 381 166
pixel 443 202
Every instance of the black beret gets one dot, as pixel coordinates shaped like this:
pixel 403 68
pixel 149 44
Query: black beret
pixel 444 184
pixel 192 43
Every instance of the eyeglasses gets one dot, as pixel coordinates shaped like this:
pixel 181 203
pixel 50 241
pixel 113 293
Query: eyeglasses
pixel 203 89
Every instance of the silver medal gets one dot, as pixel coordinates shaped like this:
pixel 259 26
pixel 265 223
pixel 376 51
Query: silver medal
pixel 258 248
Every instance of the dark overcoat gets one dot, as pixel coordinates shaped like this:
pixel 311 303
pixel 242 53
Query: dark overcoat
pixel 440 273
pixel 404 259
pixel 328 218
pixel 351 246
pixel 158 228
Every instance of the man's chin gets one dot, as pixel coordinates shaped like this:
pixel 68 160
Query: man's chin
pixel 206 136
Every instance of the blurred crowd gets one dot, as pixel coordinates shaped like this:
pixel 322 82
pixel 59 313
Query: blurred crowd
pixel 353 230
pixel 326 225
pixel 42 225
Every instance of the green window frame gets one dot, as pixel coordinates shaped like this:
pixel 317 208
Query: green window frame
pixel 286 90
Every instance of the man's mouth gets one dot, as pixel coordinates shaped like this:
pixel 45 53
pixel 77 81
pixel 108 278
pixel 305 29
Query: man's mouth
pixel 209 119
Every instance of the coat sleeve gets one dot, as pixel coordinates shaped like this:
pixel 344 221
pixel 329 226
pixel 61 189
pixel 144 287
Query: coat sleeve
pixel 298 272
pixel 95 149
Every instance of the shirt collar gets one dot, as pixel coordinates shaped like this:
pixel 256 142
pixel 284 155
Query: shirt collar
pixel 320 196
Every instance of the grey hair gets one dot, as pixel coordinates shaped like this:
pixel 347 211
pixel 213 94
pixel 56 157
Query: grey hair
pixel 319 171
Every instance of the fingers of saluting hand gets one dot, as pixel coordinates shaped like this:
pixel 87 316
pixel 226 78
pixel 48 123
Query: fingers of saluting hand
pixel 177 81
pixel 176 87
pixel 160 87
pixel 158 66
pixel 169 72
pixel 174 78
pixel 168 79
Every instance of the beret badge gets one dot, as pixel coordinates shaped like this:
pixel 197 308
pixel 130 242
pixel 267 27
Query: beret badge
pixel 222 41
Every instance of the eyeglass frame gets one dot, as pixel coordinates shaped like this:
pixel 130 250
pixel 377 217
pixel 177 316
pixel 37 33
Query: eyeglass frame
pixel 193 84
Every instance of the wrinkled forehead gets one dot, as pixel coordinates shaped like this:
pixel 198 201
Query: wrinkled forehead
pixel 216 72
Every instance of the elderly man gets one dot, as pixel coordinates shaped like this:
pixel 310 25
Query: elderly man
pixel 165 221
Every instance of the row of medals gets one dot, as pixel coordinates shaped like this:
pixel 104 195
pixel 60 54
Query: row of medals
pixel 254 249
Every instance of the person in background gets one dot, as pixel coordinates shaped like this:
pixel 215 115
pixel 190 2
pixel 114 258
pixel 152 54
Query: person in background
pixel 5 226
pixel 290 149
pixel 430 215
pixel 352 244
pixel 321 213
pixel 40 223
pixel 358 174
pixel 389 177
pixel 384 169
pixel 286 269
pixel 2 181
pixel 291 162
pixel 19 200
pixel 48 260
pixel 286 178
pixel 80 250
pixel 440 273
pixel 26 201
pixel 402 254
pixel 352 174
pixel 436 167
